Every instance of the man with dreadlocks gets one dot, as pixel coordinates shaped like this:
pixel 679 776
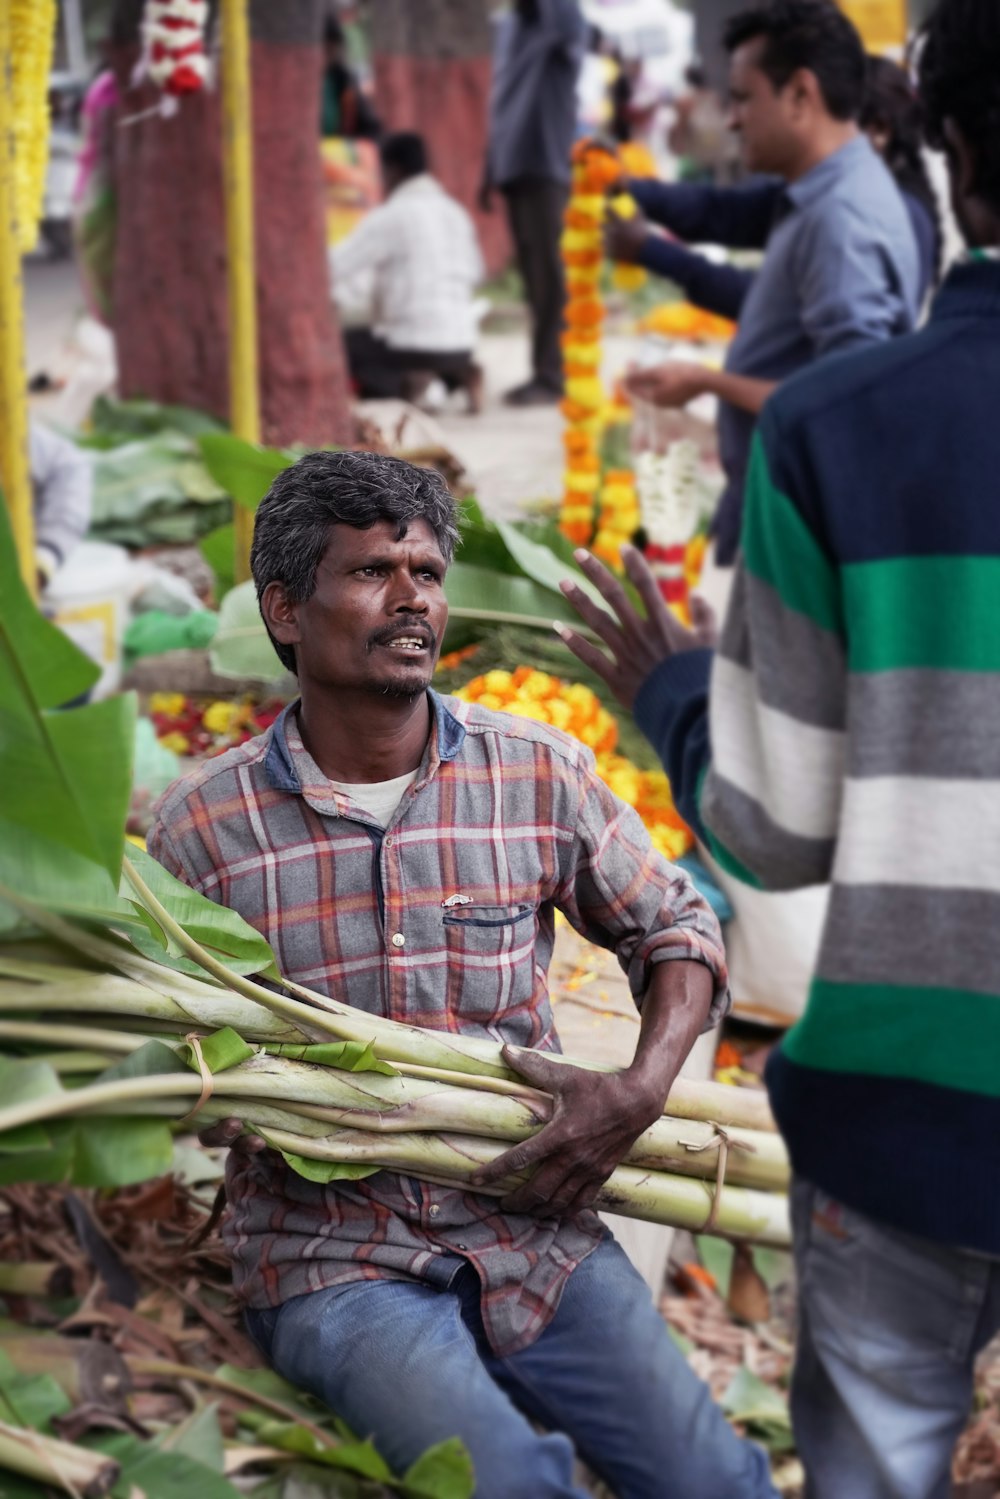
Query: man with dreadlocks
pixel 850 735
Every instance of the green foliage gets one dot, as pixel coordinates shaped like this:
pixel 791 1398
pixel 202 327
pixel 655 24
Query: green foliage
pixel 155 489
pixel 71 796
pixel 241 647
pixel 759 1407
pixel 219 550
pixel 115 422
pixel 84 1152
pixel 29 1399
pixel 244 470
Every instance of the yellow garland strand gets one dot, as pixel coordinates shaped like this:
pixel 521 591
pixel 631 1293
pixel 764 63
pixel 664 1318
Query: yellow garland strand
pixel 576 710
pixel 586 407
pixel 32 34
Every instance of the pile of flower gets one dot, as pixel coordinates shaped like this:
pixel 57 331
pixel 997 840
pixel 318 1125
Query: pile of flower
pixel 574 708
pixel 595 171
pixel 189 727
pixel 32 37
pixel 683 320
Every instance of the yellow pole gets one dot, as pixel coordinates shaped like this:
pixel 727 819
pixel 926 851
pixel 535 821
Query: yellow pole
pixel 15 474
pixel 244 388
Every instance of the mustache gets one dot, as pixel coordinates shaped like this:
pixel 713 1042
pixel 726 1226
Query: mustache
pixel 417 627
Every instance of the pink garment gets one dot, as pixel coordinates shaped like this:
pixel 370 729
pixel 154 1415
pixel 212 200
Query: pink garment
pixel 101 97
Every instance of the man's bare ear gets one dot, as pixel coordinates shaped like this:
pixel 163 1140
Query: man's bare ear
pixel 280 614
pixel 804 90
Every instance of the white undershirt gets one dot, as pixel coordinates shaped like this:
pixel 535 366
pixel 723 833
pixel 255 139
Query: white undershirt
pixel 378 798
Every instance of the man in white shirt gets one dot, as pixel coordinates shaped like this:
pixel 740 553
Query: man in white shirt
pixel 419 249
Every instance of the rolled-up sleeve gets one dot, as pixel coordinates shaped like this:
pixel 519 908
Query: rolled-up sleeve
pixel 619 893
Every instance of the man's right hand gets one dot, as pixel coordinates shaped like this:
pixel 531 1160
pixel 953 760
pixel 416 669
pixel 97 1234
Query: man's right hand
pixel 624 238
pixel 229 1132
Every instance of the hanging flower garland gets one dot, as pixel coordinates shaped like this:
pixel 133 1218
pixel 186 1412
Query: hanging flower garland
pixel 173 42
pixel 595 170
pixel 32 38
pixel 674 512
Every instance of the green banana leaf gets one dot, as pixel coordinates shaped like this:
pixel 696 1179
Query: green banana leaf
pixel 244 470
pixel 241 647
pixel 93 1152
pixel 219 550
pixel 114 422
pixel 66 777
pixel 541 564
pixel 62 779
pixel 153 489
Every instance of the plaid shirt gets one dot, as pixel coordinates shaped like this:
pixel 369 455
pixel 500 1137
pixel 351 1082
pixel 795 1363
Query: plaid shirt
pixel 505 812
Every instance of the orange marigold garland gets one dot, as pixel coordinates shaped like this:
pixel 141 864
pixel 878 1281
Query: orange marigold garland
pixel 576 710
pixel 611 503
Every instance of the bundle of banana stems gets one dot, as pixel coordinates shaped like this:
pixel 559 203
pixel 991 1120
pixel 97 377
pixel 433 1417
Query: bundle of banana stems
pixel 443 1106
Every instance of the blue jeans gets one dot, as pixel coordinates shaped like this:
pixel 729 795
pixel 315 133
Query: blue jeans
pixel 410 1366
pixel 889 1326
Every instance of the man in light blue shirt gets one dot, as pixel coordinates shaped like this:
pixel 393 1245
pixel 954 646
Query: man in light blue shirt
pixel 841 269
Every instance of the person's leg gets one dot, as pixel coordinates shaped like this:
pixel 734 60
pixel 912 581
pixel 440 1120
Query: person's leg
pixel 546 232
pixel 530 213
pixel 889 1326
pixel 396 1361
pixel 607 1372
pixel 373 366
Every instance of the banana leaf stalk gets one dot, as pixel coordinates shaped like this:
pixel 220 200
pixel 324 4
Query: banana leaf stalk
pixel 35 1278
pixel 654 1196
pixel 59 1465
pixel 204 1008
pixel 336 1099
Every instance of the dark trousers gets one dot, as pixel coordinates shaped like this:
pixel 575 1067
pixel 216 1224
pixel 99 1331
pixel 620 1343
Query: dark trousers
pixel 383 372
pixel 535 208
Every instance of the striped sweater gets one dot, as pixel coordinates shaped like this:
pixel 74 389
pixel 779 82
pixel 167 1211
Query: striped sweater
pixel 851 734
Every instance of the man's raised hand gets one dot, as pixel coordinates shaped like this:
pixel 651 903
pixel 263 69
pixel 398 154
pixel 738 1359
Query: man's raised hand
pixel 637 643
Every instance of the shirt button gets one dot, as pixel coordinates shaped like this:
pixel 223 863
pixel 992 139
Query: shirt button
pixel 462 1246
pixel 398 939
pixel 433 1211
pixel 387 842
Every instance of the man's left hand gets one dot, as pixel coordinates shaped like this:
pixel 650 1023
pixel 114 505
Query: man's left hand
pixel 596 1119
pixel 637 645
pixel 672 384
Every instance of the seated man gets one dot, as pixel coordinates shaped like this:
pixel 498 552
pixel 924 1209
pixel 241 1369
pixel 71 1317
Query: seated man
pixel 408 853
pixel 420 253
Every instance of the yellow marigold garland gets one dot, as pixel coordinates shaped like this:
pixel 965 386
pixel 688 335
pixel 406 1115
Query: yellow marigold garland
pixel 611 502
pixel 576 710
pixel 32 36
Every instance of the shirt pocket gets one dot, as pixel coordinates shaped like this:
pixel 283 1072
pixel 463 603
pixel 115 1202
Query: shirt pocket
pixel 476 916
pixel 491 959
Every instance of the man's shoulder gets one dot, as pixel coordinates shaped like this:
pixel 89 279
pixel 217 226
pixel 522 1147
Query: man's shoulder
pixel 212 780
pixel 849 379
pixel 520 738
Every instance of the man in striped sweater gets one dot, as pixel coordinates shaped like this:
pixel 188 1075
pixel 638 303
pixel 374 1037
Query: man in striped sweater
pixel 852 734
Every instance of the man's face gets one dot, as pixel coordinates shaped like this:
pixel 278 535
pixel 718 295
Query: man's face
pixel 378 614
pixel 759 114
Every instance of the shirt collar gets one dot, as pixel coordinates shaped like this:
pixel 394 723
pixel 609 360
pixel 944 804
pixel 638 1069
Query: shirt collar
pixel 284 762
pixel 821 178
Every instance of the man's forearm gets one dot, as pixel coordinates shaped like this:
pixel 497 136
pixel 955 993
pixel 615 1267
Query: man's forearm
pixel 675 1011
pixel 739 390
